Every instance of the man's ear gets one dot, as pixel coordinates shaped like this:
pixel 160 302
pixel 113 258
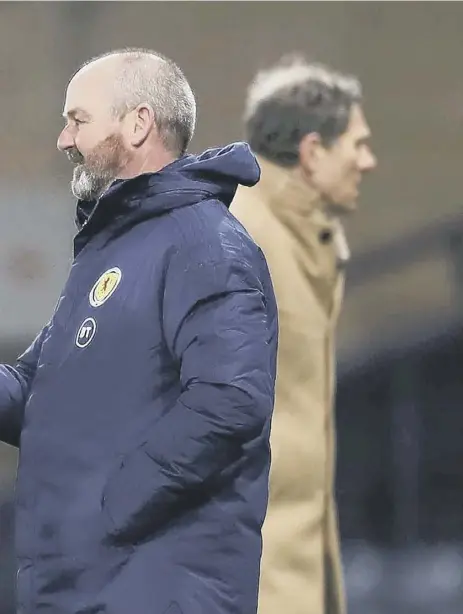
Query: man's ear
pixel 310 151
pixel 142 125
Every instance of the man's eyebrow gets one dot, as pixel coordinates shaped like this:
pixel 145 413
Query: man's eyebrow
pixel 72 114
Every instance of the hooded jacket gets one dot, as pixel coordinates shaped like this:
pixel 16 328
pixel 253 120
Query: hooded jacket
pixel 142 410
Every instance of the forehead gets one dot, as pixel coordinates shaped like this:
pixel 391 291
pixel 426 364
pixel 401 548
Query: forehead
pixel 90 91
pixel 357 126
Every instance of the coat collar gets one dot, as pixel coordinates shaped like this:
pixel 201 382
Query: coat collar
pixel 293 202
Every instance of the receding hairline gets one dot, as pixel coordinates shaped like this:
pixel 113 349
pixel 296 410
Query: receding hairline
pixel 112 71
pixel 137 76
pixel 119 60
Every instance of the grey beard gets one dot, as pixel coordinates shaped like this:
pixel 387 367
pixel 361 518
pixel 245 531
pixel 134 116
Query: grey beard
pixel 86 185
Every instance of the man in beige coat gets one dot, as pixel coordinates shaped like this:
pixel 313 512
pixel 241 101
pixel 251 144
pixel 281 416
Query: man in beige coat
pixel 306 124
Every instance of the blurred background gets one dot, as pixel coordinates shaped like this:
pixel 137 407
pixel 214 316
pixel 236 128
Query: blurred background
pixel 400 394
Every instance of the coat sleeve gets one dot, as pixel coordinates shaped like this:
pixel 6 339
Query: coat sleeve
pixel 220 327
pixel 15 384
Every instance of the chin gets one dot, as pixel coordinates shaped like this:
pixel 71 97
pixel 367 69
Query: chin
pixel 351 206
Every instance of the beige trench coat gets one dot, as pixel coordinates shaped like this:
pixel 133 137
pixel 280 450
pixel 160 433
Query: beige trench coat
pixel 305 250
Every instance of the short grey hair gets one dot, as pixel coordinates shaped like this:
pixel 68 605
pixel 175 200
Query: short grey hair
pixel 295 98
pixel 150 77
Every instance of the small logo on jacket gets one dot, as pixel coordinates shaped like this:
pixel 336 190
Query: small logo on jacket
pixel 105 286
pixel 86 333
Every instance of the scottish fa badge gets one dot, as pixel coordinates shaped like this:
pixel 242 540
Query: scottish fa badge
pixel 105 287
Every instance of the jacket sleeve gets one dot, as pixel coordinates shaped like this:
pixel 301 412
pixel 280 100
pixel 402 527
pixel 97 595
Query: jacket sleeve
pixel 220 327
pixel 15 384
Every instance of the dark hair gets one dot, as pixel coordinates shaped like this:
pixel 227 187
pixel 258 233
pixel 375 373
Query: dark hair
pixel 295 98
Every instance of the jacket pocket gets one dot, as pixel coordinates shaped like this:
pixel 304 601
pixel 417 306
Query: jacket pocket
pixel 128 495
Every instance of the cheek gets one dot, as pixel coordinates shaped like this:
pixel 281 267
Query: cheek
pixel 346 171
pixel 348 177
pixel 83 143
pixel 88 138
pixel 351 167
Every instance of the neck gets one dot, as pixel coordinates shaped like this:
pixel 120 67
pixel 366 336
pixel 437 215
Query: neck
pixel 312 197
pixel 149 162
pixel 290 185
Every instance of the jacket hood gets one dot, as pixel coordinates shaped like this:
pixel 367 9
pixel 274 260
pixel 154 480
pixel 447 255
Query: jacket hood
pixel 216 173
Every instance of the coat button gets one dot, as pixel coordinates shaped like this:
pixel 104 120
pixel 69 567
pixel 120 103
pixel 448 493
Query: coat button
pixel 325 236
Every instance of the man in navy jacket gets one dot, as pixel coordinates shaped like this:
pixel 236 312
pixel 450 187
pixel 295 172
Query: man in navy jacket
pixel 142 410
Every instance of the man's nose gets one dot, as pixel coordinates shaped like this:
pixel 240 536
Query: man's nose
pixel 369 161
pixel 65 139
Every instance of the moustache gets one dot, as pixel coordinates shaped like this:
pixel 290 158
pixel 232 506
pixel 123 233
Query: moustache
pixel 74 156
